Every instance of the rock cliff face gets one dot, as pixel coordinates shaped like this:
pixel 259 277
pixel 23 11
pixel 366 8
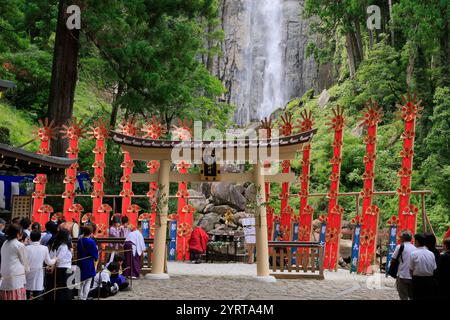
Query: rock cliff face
pixel 264 63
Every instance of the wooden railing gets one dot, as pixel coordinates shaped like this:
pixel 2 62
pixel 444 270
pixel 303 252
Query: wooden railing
pixel 106 246
pixel 296 259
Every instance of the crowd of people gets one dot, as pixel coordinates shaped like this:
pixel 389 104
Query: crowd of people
pixel 36 264
pixel 423 272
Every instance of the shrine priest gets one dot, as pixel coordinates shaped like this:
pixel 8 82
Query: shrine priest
pixel 134 247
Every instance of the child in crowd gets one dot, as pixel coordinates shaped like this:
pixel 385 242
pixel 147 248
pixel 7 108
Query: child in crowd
pixel 102 286
pixel 118 278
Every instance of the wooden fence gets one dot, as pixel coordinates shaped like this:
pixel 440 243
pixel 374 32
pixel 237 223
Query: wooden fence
pixel 106 246
pixel 296 259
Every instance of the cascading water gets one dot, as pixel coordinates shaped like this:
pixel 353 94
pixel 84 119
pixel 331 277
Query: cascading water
pixel 264 61
pixel 263 57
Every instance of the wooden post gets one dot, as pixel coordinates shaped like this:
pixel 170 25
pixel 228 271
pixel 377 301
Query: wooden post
pixel 159 255
pixel 262 246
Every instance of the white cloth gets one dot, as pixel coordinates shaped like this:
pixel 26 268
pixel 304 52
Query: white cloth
pixel 404 261
pixel 423 262
pixel 64 256
pixel 85 287
pixel 249 230
pixel 138 240
pixel 103 276
pixel 14 265
pixel 37 255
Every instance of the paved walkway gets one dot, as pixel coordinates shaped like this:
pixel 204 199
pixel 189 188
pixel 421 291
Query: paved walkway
pixel 236 282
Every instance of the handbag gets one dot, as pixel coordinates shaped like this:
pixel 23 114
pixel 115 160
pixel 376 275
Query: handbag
pixel 393 269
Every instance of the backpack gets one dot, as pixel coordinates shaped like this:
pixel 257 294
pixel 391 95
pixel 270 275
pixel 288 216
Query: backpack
pixel 393 269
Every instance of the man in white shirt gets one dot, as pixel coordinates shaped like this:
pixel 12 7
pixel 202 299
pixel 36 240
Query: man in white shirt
pixel 37 255
pixel 402 254
pixel 422 267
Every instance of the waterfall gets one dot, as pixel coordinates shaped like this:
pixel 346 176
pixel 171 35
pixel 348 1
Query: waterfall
pixel 264 63
pixel 263 58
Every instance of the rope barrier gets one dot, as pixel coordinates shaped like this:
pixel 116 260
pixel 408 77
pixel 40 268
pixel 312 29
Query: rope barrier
pixel 74 261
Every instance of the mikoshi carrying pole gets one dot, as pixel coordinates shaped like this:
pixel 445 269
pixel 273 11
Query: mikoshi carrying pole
pixel 335 211
pixel 183 132
pixel 128 127
pixel 407 212
pixel 370 212
pixel 99 132
pixel 74 131
pixel 41 213
pixel 286 210
pixel 306 212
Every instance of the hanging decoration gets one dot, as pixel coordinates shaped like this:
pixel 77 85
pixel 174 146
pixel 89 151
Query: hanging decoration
pixel 370 213
pixel 183 132
pixel 128 128
pixel 393 227
pixel 99 132
pixel 306 212
pixel 356 222
pixel 335 211
pixel 266 125
pixel 285 210
pixel 45 132
pixel 407 213
pixel 74 131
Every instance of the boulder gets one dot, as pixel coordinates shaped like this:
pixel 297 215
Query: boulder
pixel 209 221
pixel 229 194
pixel 250 193
pixel 221 209
pixel 316 225
pixel 241 189
pixel 323 98
pixel 237 218
pixel 205 188
pixel 208 207
pixel 199 204
pixel 345 249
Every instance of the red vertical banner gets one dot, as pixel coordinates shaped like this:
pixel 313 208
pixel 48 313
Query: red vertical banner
pixel 183 132
pixel 266 124
pixel 128 128
pixel 286 211
pixel 154 130
pixel 306 212
pixel 370 213
pixel 335 211
pixel 407 213
pixel 73 131
pixel 99 132
pixel 41 213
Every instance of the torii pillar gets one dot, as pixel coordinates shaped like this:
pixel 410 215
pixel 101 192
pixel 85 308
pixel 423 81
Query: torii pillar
pixel 159 253
pixel 262 246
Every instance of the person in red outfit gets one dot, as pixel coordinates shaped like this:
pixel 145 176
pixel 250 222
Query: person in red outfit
pixel 198 244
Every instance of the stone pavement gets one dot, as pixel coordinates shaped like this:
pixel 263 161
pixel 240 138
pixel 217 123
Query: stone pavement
pixel 235 282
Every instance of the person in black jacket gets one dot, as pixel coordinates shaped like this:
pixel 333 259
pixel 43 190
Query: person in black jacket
pixel 430 243
pixel 443 272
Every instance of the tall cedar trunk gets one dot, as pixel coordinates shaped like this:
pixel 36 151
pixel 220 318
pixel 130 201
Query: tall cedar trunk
pixel 64 76
pixel 210 57
pixel 410 67
pixel 444 79
pixel 116 105
pixel 351 55
pixel 358 41
pixel 391 24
